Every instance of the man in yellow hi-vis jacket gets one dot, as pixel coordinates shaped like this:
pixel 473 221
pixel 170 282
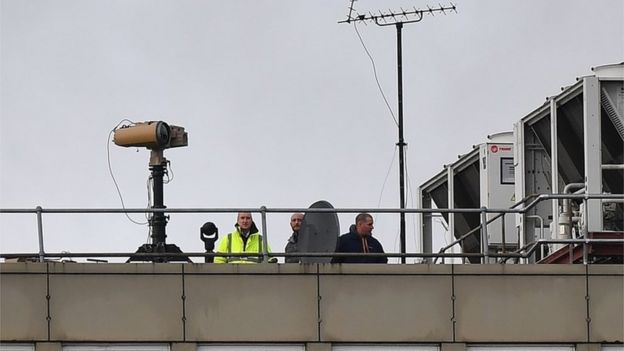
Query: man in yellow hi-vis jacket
pixel 245 238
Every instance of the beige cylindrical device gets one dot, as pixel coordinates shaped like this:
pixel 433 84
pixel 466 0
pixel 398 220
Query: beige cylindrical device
pixel 152 135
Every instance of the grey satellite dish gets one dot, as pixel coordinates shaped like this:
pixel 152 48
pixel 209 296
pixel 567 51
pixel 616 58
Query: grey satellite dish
pixel 319 233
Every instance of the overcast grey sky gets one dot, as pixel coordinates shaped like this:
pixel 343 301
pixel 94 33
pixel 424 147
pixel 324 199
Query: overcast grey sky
pixel 279 101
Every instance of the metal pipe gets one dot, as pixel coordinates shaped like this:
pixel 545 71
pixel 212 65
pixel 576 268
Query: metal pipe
pixel 612 167
pixel 554 163
pixel 525 199
pixel 532 204
pixel 40 234
pixel 565 217
pixel 401 142
pixel 613 200
pixel 158 222
pixel 484 239
pixel 503 230
pixel 573 241
pixel 541 220
pixel 442 250
pixel 537 199
pixel 252 210
pixel 569 187
pixel 318 254
pixel 585 226
pixel 224 254
pixel 265 240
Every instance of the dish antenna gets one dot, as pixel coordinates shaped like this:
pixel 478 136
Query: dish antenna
pixel 319 233
pixel 155 136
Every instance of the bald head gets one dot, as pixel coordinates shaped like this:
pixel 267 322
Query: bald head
pixel 295 221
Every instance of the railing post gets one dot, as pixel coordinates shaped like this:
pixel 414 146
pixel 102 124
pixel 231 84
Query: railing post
pixel 503 230
pixel 265 240
pixel 585 214
pixel 40 233
pixel 585 251
pixel 541 236
pixel 484 239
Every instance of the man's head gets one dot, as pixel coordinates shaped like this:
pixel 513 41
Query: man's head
pixel 364 224
pixel 295 221
pixel 244 221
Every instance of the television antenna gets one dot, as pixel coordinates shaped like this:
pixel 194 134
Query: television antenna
pixel 398 19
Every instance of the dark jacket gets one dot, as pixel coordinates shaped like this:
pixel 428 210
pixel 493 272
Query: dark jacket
pixel 353 242
pixel 291 246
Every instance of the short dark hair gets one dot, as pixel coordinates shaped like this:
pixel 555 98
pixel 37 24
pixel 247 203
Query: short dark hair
pixel 362 217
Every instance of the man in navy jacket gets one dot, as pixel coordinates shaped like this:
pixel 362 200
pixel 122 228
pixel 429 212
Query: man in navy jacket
pixel 359 239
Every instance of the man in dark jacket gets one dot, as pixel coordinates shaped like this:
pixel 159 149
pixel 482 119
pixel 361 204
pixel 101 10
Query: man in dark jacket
pixel 291 246
pixel 360 239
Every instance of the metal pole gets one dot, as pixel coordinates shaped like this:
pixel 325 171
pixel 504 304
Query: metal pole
pixel 484 239
pixel 40 234
pixel 586 220
pixel 401 142
pixel 541 236
pixel 612 167
pixel 503 230
pixel 265 240
pixel 158 220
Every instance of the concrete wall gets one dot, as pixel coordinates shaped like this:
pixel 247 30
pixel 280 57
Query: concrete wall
pixel 319 305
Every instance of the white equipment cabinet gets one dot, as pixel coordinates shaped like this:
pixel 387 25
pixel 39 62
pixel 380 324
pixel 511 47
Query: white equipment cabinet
pixel 496 180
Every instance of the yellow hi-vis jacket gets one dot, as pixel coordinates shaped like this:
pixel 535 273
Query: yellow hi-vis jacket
pixel 233 243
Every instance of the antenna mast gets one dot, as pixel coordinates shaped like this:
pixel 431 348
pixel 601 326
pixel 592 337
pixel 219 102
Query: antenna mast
pixel 398 18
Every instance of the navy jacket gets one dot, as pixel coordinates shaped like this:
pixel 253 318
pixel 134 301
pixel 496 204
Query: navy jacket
pixel 353 242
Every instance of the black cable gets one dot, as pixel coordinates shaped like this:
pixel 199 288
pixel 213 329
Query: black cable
pixel 110 170
pixel 383 186
pixel 411 195
pixel 375 72
pixel 148 215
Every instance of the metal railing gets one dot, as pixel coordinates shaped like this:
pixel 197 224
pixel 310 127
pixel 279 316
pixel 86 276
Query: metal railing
pixel 523 253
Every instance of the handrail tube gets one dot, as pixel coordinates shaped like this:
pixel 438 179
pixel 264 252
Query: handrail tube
pixel 252 210
pixel 541 229
pixel 538 199
pixel 484 234
pixel 265 241
pixel 585 213
pixel 218 254
pixel 575 241
pixel 40 233
pixel 320 254
pixel 475 229
pixel 458 240
pixel 503 231
pixel 264 210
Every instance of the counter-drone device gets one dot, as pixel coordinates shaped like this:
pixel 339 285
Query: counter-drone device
pixel 155 136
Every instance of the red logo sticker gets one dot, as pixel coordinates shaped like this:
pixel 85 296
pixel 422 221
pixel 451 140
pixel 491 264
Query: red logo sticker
pixel 494 149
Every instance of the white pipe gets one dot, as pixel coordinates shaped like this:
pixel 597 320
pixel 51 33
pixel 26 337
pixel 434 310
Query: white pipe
pixel 565 217
pixel 613 166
